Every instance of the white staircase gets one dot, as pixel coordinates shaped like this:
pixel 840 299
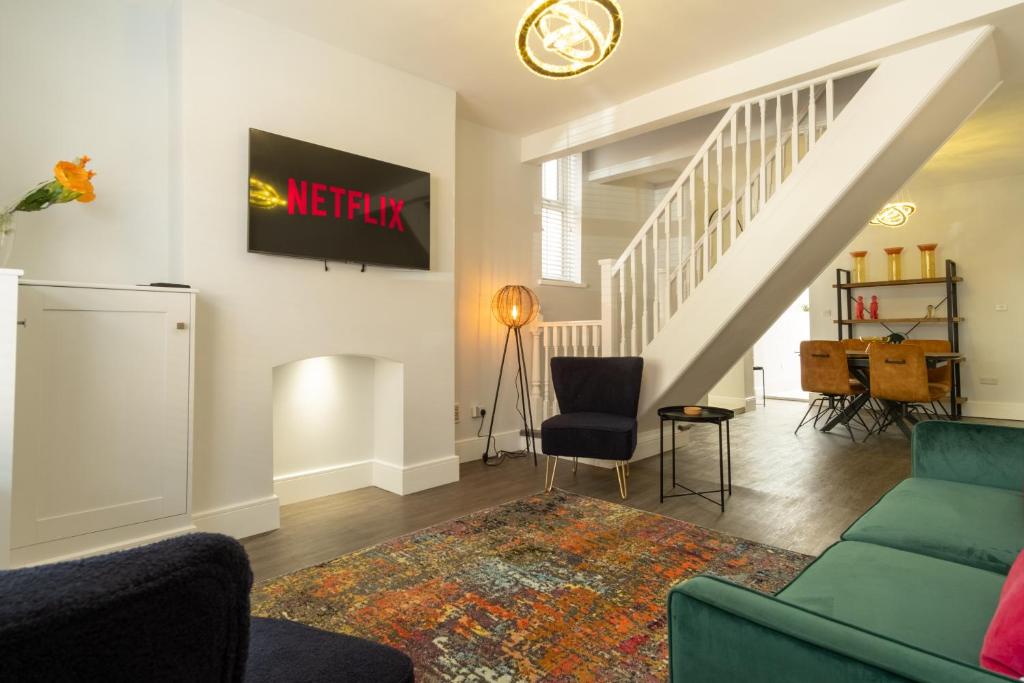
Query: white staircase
pixel 781 185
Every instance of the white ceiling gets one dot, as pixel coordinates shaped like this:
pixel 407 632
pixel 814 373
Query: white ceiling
pixel 990 144
pixel 468 46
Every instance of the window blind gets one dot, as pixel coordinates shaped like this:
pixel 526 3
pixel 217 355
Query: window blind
pixel 561 218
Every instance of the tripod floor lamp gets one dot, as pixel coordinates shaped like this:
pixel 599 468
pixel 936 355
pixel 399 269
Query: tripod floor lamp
pixel 514 306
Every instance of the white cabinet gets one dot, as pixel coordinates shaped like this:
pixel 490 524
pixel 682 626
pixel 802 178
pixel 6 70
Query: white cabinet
pixel 102 427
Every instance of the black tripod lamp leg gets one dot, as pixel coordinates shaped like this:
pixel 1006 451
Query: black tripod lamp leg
pixel 494 407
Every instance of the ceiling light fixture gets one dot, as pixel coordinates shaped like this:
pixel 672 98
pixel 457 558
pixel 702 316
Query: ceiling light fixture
pixel 565 38
pixel 894 215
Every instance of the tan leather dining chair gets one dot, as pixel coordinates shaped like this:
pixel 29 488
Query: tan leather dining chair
pixel 942 376
pixel 824 370
pixel 899 374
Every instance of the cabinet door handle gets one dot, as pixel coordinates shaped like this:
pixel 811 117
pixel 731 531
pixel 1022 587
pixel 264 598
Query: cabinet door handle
pixel 23 323
pixel 181 326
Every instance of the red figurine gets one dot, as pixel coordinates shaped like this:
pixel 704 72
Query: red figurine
pixel 874 307
pixel 859 315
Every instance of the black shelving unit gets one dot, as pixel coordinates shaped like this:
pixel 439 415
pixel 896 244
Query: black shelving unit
pixel 845 321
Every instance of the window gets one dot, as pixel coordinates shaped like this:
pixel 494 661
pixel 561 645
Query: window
pixel 561 200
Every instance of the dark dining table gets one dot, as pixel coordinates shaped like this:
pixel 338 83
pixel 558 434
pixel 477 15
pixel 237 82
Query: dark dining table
pixel 860 367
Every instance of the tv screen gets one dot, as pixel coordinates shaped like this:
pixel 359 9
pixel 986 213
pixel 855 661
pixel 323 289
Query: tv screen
pixel 314 202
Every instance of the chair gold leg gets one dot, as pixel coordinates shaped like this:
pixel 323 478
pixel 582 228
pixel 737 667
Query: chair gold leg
pixel 575 465
pixel 620 474
pixel 627 470
pixel 549 478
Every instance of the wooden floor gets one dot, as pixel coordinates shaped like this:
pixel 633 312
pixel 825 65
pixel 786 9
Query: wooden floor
pixel 797 492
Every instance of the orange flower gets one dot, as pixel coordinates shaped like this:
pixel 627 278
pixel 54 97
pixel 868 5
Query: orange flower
pixel 74 177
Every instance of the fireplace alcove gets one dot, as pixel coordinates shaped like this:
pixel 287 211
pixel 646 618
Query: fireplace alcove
pixel 337 425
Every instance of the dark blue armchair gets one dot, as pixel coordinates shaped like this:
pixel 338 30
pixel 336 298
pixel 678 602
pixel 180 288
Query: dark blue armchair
pixel 598 400
pixel 177 610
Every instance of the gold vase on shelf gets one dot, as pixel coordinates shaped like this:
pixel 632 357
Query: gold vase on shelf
pixel 895 255
pixel 927 260
pixel 859 271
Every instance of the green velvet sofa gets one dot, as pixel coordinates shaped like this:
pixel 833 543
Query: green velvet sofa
pixel 906 595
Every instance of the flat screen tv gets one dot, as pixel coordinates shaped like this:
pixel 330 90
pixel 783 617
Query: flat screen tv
pixel 315 202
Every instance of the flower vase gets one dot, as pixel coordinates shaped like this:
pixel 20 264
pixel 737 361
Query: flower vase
pixel 927 260
pixel 860 266
pixel 6 237
pixel 895 255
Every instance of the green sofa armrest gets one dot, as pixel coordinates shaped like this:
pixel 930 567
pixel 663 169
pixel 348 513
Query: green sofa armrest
pixel 986 455
pixel 719 631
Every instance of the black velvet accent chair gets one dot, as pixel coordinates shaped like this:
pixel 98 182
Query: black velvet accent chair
pixel 598 400
pixel 177 610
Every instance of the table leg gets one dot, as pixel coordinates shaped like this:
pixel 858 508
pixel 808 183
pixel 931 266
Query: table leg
pixel 673 423
pixel 728 451
pixel 843 416
pixel 721 473
pixel 661 461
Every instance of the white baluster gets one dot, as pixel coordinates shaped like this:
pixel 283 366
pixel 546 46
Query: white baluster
pixel 607 302
pixel 778 144
pixel 667 284
pixel 643 315
pixel 829 103
pixel 576 341
pixel 732 193
pixel 548 353
pixel 719 242
pixel 693 231
pixel 794 135
pixel 536 377
pixel 598 340
pixel 656 303
pixel 634 340
pixel 679 251
pixel 746 185
pixel 763 162
pixel 585 340
pixel 811 125
pixel 706 221
pixel 622 311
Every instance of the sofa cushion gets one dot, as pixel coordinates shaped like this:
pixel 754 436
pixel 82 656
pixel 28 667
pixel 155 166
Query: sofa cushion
pixel 1003 649
pixel 281 651
pixel 589 435
pixel 974 525
pixel 938 606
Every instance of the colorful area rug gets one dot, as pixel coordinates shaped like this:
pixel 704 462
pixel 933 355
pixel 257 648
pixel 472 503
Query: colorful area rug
pixel 555 587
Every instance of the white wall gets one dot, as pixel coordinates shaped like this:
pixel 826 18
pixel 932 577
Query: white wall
pixel 977 225
pixel 258 312
pixel 323 413
pixel 91 78
pixel 498 228
pixel 776 351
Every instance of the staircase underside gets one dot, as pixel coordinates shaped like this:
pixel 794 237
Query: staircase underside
pixel 904 112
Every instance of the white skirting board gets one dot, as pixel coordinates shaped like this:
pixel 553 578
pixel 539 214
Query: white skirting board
pixel 326 481
pixel 242 519
pixel 472 449
pixel 100 542
pixel 293 488
pixel 995 410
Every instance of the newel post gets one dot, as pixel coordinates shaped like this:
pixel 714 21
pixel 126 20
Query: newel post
pixel 607 308
pixel 537 370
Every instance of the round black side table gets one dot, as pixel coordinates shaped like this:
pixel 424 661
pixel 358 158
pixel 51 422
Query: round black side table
pixel 718 416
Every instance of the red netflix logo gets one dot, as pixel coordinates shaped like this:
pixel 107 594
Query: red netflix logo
pixel 318 199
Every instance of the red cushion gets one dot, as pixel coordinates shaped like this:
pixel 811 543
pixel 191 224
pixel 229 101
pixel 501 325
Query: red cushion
pixel 1003 649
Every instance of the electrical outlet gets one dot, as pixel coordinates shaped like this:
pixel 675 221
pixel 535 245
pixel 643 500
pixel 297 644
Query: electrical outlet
pixel 989 380
pixel 478 411
pixel 458 415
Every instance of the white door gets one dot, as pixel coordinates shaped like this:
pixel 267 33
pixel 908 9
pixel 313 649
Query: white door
pixel 101 410
pixel 777 352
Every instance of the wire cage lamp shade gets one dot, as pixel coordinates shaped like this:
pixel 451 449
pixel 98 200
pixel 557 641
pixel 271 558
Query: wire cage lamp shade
pixel 515 306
